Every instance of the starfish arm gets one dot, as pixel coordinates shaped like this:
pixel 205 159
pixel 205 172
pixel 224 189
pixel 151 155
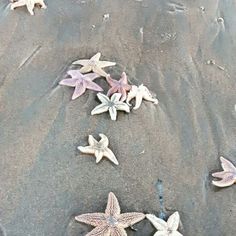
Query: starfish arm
pixel 113 112
pixel 75 74
pixel 92 141
pixel 123 78
pixel 158 223
pixel 104 140
pixel 81 62
pixel 96 57
pixel 111 81
pixel 173 221
pixel 121 106
pixel 110 155
pixel 103 98
pixel 103 64
pixel 149 98
pixel 138 101
pixel 112 91
pixel 161 233
pixel 123 93
pixel 91 76
pixel 113 207
pixel 92 86
pixel 85 69
pixel 115 231
pixel 18 4
pixel 99 155
pixel 99 71
pixel 68 82
pixel 129 98
pixel 176 233
pixel 227 165
pixel 128 219
pixel 99 109
pixel 116 97
pixel 30 7
pixel 220 174
pixel 100 231
pixel 228 180
pixel 94 219
pixel 79 90
pixel 87 149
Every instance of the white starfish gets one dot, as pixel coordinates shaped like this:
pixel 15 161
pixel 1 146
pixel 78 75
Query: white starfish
pixel 139 93
pixel 93 64
pixel 29 4
pixel 164 228
pixel 99 149
pixel 227 176
pixel 112 105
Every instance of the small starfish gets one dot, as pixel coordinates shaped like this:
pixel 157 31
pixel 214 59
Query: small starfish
pixel 112 222
pixel 120 86
pixel 227 176
pixel 139 93
pixel 99 149
pixel 168 228
pixel 112 105
pixel 93 64
pixel 29 4
pixel 81 82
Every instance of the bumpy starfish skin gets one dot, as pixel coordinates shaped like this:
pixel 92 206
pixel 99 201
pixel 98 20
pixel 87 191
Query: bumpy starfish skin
pixel 120 86
pixel 112 105
pixel 99 149
pixel 29 4
pixel 139 93
pixel 227 176
pixel 164 228
pixel 93 64
pixel 112 222
pixel 81 82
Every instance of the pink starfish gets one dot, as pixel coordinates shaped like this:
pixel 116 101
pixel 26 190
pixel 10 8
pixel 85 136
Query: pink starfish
pixel 119 86
pixel 112 222
pixel 81 82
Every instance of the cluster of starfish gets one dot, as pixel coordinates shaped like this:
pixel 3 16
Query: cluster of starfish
pixel 113 223
pixel 119 92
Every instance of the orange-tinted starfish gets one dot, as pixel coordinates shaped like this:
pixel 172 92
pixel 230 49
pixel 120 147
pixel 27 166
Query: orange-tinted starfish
pixel 112 222
pixel 119 86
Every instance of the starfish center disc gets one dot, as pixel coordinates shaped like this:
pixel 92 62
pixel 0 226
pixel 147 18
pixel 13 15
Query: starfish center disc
pixel 112 222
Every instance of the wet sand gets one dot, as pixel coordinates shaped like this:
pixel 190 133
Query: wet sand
pixel 46 181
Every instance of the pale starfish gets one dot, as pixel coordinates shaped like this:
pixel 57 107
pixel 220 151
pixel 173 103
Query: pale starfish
pixel 30 4
pixel 112 105
pixel 164 228
pixel 119 86
pixel 93 64
pixel 112 222
pixel 139 93
pixel 81 82
pixel 227 176
pixel 99 149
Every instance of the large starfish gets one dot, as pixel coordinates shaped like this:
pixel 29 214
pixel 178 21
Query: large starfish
pixel 139 93
pixel 81 82
pixel 164 228
pixel 29 4
pixel 227 176
pixel 112 105
pixel 119 86
pixel 112 222
pixel 99 149
pixel 93 64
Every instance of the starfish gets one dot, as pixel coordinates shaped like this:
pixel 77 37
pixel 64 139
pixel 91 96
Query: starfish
pixel 227 176
pixel 168 228
pixel 112 222
pixel 112 105
pixel 93 64
pixel 120 86
pixel 29 4
pixel 99 149
pixel 81 82
pixel 139 93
